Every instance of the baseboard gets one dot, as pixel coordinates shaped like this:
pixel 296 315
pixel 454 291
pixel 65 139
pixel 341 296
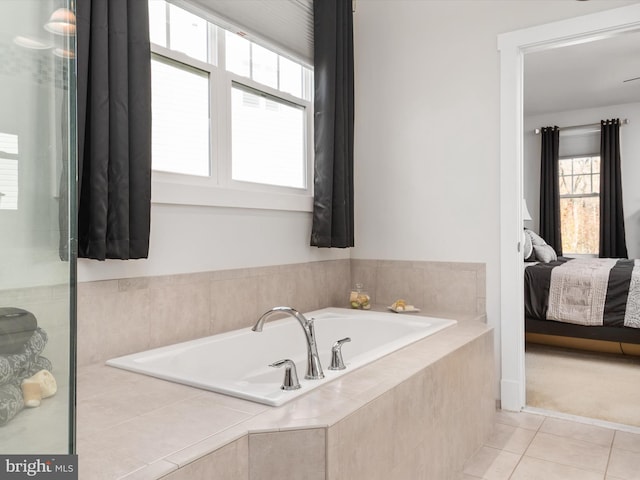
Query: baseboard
pixel 511 395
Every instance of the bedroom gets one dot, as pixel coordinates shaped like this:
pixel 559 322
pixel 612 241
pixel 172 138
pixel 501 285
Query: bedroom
pixel 427 189
pixel 574 88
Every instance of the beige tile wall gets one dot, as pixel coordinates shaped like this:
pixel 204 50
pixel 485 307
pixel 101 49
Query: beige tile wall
pixel 117 317
pixel 158 311
pixel 293 454
pixel 447 287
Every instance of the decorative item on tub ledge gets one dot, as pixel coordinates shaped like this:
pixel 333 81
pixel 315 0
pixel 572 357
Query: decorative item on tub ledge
pixel 401 306
pixel 359 298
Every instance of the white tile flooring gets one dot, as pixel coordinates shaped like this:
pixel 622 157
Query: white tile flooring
pixel 531 446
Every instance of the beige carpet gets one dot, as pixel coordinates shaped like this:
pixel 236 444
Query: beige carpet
pixel 602 386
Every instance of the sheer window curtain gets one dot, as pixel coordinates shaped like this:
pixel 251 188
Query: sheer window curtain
pixel 114 129
pixel 333 125
pixel 612 231
pixel 550 188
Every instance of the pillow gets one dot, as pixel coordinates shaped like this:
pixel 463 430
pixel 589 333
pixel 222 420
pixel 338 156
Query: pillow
pixel 528 246
pixel 535 238
pixel 545 253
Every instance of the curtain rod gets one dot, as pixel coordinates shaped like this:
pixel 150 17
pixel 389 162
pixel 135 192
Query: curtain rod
pixel 622 122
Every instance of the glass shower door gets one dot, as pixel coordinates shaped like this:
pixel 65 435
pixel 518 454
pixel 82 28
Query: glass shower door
pixel 37 256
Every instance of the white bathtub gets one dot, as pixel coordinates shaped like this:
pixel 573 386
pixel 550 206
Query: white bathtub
pixel 237 363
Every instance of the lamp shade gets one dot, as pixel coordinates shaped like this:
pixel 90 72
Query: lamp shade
pixel 526 216
pixel 62 22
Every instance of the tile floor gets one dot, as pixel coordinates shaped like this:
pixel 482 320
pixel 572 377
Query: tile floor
pixel 528 446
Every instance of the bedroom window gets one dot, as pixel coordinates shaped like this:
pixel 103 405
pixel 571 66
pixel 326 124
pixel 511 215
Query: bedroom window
pixel 580 204
pixel 229 115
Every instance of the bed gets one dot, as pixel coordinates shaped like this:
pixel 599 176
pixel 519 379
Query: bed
pixel 586 302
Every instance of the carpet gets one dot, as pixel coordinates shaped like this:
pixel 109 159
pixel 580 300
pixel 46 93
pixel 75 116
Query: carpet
pixel 593 385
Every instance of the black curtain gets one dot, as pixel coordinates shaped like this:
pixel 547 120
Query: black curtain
pixel 612 237
pixel 114 128
pixel 550 189
pixel 333 124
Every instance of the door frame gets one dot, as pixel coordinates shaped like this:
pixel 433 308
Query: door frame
pixel 513 47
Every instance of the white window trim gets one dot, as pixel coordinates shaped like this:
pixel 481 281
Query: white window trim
pixel 219 189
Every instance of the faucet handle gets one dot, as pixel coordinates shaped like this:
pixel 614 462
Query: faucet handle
pixel 336 355
pixel 290 374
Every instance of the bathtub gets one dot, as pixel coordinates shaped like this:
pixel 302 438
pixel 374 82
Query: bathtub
pixel 237 363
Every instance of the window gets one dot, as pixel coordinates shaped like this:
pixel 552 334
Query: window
pixel 268 139
pixel 580 204
pixel 227 112
pixel 180 123
pixel 176 29
pixel 8 171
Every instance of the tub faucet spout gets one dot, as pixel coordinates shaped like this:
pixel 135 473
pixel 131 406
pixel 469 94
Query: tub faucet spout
pixel 314 369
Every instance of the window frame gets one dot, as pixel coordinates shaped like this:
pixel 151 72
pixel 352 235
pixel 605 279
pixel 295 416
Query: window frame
pixel 580 195
pixel 169 57
pixel 219 189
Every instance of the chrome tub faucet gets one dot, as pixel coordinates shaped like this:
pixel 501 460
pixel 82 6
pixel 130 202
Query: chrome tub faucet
pixel 314 369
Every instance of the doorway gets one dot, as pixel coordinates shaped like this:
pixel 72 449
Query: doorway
pixel 513 47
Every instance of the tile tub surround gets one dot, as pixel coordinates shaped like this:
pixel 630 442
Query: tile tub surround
pixel 159 311
pixel 436 287
pixel 419 412
pixel 163 310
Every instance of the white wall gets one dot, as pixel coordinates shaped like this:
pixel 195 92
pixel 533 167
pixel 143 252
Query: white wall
pixel 188 239
pixel 427 127
pixel 630 156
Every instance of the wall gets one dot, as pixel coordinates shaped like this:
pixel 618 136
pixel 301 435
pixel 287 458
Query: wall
pixel 630 153
pixel 427 164
pixel 187 239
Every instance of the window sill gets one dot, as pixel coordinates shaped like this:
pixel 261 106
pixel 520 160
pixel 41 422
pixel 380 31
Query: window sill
pixel 208 196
